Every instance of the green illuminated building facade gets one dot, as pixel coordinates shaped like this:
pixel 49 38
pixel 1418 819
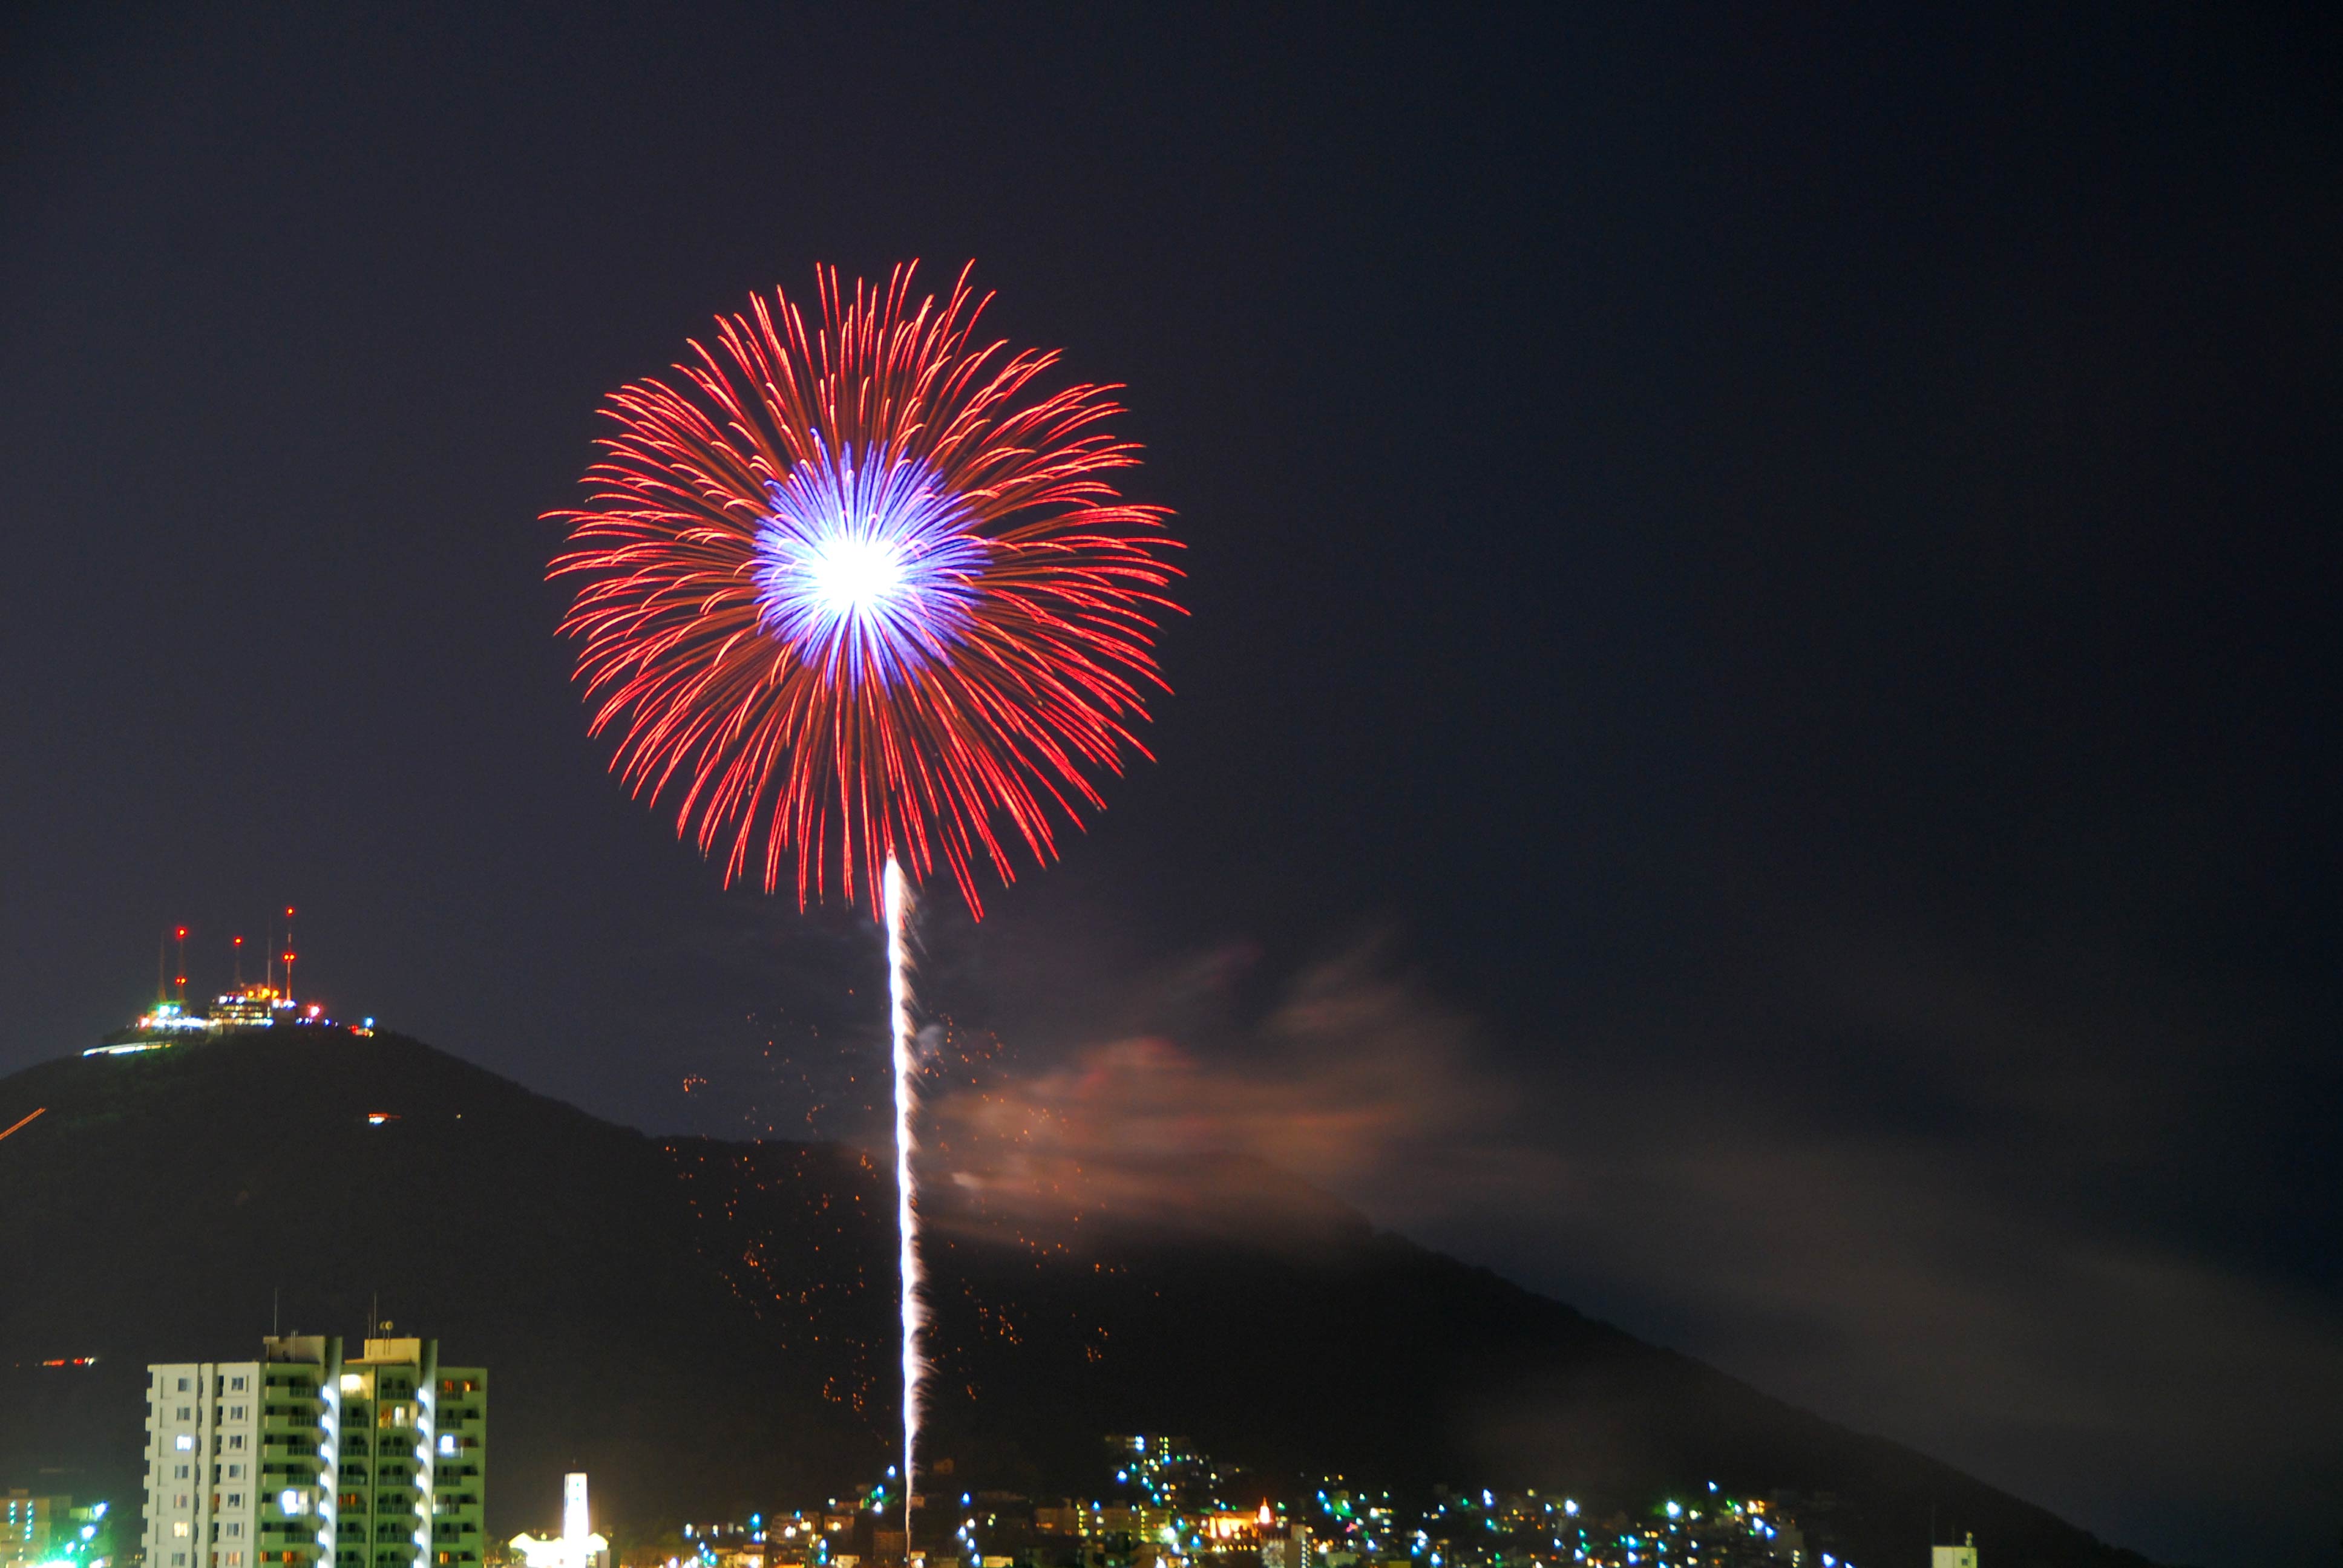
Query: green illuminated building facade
pixel 413 1465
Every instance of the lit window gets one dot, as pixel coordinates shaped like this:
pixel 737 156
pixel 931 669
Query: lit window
pixel 447 1442
pixel 353 1383
pixel 293 1502
pixel 184 1442
pixel 180 1530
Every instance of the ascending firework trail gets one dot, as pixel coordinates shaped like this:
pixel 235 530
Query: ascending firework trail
pixel 862 599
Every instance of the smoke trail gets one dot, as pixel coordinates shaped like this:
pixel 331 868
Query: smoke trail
pixel 898 998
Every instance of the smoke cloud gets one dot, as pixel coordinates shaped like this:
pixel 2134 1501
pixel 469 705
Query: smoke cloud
pixel 1879 1185
pixel 1358 1083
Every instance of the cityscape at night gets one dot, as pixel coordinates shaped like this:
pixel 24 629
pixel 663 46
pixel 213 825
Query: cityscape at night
pixel 328 1480
pixel 1171 1506
pixel 806 786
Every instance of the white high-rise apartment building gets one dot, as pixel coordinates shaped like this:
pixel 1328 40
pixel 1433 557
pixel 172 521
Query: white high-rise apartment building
pixel 302 1459
pixel 203 1464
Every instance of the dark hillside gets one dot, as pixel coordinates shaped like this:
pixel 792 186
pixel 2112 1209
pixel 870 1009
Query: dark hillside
pixel 154 1207
pixel 708 1326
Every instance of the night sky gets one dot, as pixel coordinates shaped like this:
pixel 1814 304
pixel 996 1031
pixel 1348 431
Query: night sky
pixel 1754 745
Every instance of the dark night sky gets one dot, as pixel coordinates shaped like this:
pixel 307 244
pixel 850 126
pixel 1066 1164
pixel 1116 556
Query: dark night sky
pixel 1774 572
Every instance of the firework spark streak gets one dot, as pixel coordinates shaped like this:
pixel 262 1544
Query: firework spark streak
pixel 865 600
pixel 907 1219
pixel 27 1121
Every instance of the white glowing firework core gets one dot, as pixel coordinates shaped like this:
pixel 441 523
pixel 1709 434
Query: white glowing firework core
pixel 854 575
pixel 898 998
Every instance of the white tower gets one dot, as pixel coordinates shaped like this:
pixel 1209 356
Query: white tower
pixel 575 1547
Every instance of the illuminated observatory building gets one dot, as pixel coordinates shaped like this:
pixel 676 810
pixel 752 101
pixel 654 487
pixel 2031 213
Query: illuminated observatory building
pixel 263 1004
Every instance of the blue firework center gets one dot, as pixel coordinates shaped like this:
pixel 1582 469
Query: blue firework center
pixel 867 567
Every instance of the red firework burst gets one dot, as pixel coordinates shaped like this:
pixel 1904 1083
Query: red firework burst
pixel 864 591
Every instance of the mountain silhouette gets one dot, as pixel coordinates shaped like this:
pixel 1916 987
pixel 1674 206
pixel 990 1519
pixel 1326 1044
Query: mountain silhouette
pixel 710 1327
